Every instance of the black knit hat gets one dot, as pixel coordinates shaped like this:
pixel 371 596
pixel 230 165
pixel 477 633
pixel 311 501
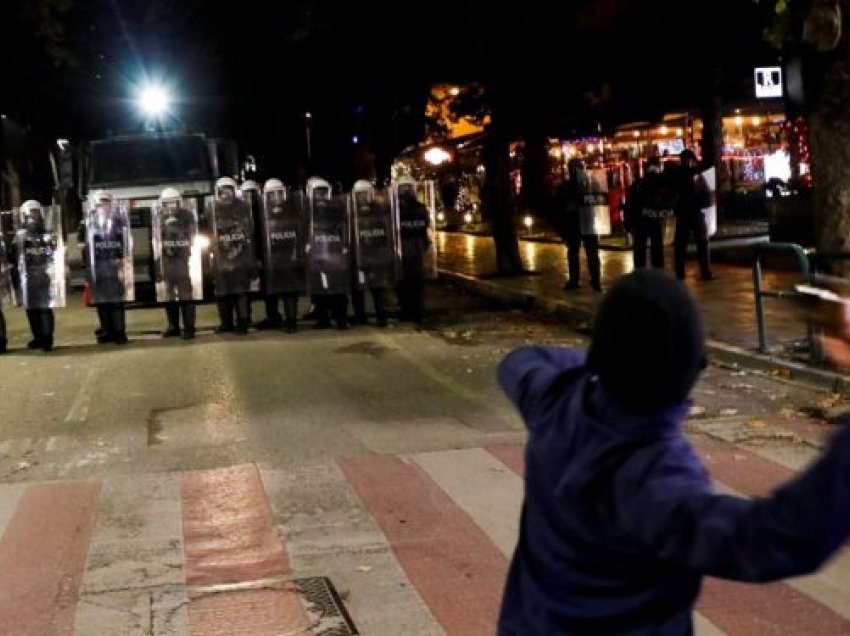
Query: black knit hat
pixel 647 346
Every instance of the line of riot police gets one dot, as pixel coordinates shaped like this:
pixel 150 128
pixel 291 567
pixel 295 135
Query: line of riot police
pixel 279 242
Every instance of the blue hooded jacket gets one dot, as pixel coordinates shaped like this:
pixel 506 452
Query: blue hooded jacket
pixel 620 522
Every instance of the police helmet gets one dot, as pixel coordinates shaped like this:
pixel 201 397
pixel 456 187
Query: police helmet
pixel 170 195
pixel 317 183
pixel 101 196
pixel 249 185
pixel 28 208
pixel 272 185
pixel 224 182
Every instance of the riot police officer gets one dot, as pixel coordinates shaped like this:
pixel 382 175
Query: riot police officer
pixel 573 197
pixel 284 240
pixel 108 251
pixel 36 249
pixel 414 220
pixel 5 282
pixel 233 250
pixel 175 232
pixel 649 205
pixel 329 266
pixel 376 252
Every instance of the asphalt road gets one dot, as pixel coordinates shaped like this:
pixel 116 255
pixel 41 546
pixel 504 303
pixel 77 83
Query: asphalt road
pixel 338 431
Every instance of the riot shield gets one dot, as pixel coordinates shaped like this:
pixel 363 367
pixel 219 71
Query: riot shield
pixel 40 255
pixel 176 252
pixel 594 211
pixel 7 298
pixel 284 242
pixel 234 267
pixel 710 212
pixel 375 240
pixel 328 259
pixel 109 252
pixel 427 195
pixel 415 223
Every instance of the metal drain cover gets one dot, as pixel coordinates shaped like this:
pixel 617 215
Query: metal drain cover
pixel 325 607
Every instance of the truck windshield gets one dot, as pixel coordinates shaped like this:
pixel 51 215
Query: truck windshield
pixel 148 160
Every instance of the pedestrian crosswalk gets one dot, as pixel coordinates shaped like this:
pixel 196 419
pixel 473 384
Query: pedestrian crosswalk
pixel 414 544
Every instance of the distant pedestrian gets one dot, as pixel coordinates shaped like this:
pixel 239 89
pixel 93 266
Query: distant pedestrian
pixel 620 520
pixel 649 206
pixel 692 196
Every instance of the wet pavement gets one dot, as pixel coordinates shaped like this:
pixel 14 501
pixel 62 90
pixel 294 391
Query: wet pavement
pixel 727 303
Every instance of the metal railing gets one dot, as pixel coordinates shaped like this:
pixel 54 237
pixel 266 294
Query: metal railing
pixel 805 273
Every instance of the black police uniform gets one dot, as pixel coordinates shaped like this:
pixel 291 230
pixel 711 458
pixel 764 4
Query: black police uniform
pixel 410 290
pixel 34 261
pixel 693 196
pixel 177 231
pixel 376 260
pixel 330 270
pixel 108 256
pixel 649 205
pixel 285 270
pixel 234 267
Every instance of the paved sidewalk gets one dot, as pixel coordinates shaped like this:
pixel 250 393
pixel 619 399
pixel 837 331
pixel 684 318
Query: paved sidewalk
pixel 727 303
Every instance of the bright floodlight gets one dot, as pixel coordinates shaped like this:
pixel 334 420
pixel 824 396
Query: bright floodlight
pixel 153 100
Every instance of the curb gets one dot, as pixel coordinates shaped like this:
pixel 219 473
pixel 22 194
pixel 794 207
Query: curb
pixel 719 351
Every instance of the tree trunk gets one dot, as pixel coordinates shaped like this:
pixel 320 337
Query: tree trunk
pixel 712 124
pixel 498 207
pixel 829 144
pixel 535 174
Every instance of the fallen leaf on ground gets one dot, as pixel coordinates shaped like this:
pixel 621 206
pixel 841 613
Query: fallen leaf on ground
pixel 696 410
pixel 728 411
pixel 755 423
pixel 364 568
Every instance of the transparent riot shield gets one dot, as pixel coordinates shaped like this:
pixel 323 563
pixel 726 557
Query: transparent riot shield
pixel 594 211
pixel 40 255
pixel 109 252
pixel 234 265
pixel 416 230
pixel 328 259
pixel 375 239
pixel 176 252
pixel 7 298
pixel 710 212
pixel 284 241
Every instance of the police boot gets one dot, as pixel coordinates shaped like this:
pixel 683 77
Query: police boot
pixel 358 305
pixel 35 329
pixel 290 311
pixel 188 310
pixel 3 341
pixel 272 319
pixel 380 302
pixel 119 330
pixel 46 325
pixel 225 315
pixel 242 315
pixel 105 333
pixel 172 312
pixel 3 345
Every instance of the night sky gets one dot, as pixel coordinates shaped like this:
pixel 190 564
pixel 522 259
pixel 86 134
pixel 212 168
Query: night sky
pixel 250 70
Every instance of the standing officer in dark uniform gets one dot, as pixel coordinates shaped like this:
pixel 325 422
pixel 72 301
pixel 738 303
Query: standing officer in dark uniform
pixel 574 194
pixel 234 257
pixel 176 230
pixel 5 289
pixel 108 249
pixel 693 196
pixel 414 221
pixel 284 240
pixel 375 262
pixel 329 266
pixel 649 205
pixel 36 250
